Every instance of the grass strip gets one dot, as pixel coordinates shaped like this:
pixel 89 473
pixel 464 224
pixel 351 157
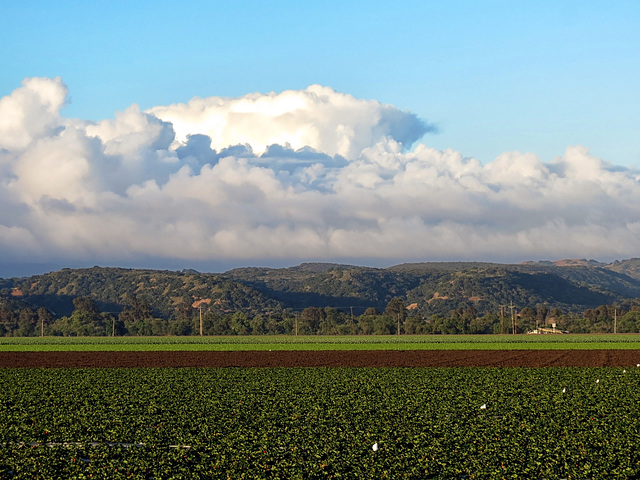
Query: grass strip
pixel 280 343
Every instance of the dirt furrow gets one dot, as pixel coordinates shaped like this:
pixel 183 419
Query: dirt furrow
pixel 359 358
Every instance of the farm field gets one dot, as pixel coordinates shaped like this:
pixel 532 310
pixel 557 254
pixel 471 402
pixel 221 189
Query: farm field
pixel 301 343
pixel 581 421
pixel 320 423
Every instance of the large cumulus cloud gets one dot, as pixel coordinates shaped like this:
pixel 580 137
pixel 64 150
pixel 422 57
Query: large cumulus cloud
pixel 317 117
pixel 301 175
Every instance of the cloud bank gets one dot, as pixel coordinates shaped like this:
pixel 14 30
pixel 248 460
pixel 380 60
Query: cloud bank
pixel 307 175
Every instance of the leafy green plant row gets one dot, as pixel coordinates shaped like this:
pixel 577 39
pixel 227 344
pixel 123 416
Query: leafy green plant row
pixel 389 342
pixel 320 423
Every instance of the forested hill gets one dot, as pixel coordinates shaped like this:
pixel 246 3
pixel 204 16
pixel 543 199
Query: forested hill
pixel 439 287
pixel 113 289
pixel 427 288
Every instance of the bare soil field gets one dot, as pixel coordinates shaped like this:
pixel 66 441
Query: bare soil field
pixel 386 358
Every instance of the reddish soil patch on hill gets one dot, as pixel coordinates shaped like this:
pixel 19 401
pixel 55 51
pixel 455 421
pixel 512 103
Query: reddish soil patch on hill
pixel 409 358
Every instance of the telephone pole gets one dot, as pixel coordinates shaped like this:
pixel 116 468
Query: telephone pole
pixel 514 325
pixel 352 324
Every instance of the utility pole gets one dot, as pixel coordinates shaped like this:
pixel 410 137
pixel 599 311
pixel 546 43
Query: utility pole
pixel 200 307
pixel 501 319
pixel 513 320
pixel 615 320
pixel 352 324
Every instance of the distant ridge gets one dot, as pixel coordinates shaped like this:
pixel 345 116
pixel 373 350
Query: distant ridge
pixel 569 262
pixel 429 287
pixel 317 267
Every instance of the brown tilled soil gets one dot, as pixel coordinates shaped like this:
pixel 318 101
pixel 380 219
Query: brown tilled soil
pixel 409 358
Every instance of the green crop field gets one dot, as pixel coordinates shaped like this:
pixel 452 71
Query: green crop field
pixel 408 342
pixel 317 423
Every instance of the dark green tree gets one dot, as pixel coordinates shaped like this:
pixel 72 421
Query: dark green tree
pixel 86 319
pixel 383 325
pixel 257 325
pixel 137 316
pixel 415 325
pixel 26 323
pixel 220 325
pixel 310 320
pixel 397 310
pixel 45 319
pixel 240 323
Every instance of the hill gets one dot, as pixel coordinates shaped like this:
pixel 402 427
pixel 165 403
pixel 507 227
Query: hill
pixel 112 288
pixel 428 288
pixel 439 287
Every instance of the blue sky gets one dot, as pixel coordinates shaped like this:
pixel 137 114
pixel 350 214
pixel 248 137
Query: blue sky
pixel 210 135
pixel 495 76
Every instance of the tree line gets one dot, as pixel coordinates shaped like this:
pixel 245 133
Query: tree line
pixel 138 319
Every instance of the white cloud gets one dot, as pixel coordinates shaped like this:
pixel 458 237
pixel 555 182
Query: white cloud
pixel 57 167
pixel 318 117
pixel 123 189
pixel 31 111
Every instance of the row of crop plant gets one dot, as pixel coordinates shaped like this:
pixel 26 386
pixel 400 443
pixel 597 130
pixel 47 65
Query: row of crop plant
pixel 318 423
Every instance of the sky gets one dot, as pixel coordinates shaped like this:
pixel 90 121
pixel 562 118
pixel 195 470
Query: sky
pixel 211 135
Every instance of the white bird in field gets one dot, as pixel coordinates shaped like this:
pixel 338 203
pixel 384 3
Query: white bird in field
pixel 483 406
pixel 564 390
pixel 375 447
pixel 624 371
pixel 598 381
